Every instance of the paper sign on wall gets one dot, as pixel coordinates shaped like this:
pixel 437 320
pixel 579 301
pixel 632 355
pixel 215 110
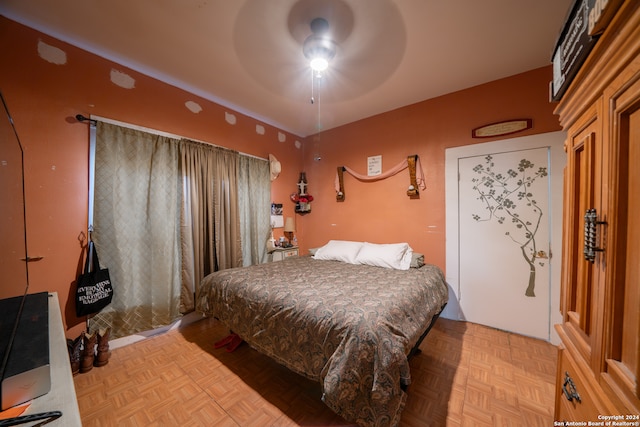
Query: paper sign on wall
pixel 277 219
pixel 374 164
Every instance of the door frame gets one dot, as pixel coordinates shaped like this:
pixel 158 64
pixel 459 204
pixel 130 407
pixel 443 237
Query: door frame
pixel 555 142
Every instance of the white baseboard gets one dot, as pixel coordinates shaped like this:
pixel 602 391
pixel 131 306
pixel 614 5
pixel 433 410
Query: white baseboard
pixel 185 320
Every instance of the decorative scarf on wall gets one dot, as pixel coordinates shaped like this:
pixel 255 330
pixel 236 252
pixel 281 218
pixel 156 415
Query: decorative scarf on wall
pixel 416 176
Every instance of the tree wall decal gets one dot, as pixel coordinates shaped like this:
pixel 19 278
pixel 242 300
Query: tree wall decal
pixel 508 196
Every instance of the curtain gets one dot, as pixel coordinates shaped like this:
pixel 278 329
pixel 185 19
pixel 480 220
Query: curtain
pixel 167 212
pixel 254 199
pixel 226 216
pixel 136 227
pixel 210 217
pixel 198 249
pixel 197 231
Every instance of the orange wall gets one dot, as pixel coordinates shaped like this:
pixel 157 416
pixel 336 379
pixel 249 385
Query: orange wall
pixel 381 212
pixel 44 99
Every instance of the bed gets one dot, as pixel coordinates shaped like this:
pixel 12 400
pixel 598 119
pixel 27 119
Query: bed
pixel 348 325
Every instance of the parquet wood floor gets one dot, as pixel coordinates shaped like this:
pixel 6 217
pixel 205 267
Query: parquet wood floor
pixel 466 375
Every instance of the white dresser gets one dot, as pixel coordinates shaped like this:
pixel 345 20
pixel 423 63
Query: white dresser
pixel 62 396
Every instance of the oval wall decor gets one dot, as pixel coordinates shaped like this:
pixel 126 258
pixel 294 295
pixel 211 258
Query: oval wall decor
pixel 502 128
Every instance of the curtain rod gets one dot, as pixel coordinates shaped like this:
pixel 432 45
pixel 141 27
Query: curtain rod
pixel 81 118
pixel 93 121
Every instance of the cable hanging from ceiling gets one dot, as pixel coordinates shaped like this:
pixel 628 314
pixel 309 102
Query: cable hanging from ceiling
pixel 319 49
pixel 315 95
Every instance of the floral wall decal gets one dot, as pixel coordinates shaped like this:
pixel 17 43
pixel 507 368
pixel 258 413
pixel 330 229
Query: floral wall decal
pixel 508 199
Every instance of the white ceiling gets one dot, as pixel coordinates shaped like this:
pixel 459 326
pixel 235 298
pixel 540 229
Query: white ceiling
pixel 247 54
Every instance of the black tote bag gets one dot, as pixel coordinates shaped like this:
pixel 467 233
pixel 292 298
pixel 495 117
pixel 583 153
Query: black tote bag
pixel 94 291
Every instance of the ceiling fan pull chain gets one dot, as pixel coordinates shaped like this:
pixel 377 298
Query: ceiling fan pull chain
pixel 312 85
pixel 319 103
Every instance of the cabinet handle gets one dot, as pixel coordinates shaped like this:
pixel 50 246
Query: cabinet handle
pixel 590 235
pixel 570 392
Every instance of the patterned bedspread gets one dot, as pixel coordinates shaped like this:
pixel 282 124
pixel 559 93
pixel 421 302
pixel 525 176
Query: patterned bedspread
pixel 350 327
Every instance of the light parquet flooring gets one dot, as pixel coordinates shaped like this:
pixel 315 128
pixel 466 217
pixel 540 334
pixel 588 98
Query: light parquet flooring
pixel 466 375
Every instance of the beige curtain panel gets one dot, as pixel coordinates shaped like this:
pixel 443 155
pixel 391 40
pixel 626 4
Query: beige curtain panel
pixel 254 200
pixel 136 227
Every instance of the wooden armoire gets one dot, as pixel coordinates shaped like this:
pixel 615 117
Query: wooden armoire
pixel 598 363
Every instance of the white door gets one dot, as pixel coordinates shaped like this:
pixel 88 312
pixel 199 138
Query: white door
pixel 508 197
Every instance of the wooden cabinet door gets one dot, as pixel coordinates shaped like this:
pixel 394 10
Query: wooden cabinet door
pixel 582 192
pixel 600 298
pixel 621 329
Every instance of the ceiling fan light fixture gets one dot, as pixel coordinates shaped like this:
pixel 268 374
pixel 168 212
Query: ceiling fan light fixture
pixel 318 48
pixel 319 64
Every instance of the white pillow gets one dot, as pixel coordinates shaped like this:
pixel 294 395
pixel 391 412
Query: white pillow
pixel 394 255
pixel 339 250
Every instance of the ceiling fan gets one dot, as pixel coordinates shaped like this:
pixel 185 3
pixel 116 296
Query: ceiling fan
pixel 360 42
pixel 319 48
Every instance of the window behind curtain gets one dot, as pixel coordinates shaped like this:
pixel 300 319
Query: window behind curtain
pixel 141 197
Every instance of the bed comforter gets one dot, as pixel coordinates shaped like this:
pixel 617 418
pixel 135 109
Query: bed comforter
pixel 350 327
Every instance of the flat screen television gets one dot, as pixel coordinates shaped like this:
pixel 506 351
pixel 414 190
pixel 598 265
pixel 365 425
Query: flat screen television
pixel 24 320
pixel 14 275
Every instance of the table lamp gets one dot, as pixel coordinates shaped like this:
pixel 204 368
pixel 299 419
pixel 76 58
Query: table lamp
pixel 289 229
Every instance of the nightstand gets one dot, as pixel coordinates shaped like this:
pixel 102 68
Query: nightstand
pixel 279 254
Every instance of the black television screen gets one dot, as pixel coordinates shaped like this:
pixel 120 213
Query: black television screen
pixel 14 279
pixel 13 250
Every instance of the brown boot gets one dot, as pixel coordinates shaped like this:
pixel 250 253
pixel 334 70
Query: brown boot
pixel 89 343
pixel 74 347
pixel 103 353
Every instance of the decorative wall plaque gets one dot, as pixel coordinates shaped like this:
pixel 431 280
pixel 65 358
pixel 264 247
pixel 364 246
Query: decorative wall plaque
pixel 502 128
